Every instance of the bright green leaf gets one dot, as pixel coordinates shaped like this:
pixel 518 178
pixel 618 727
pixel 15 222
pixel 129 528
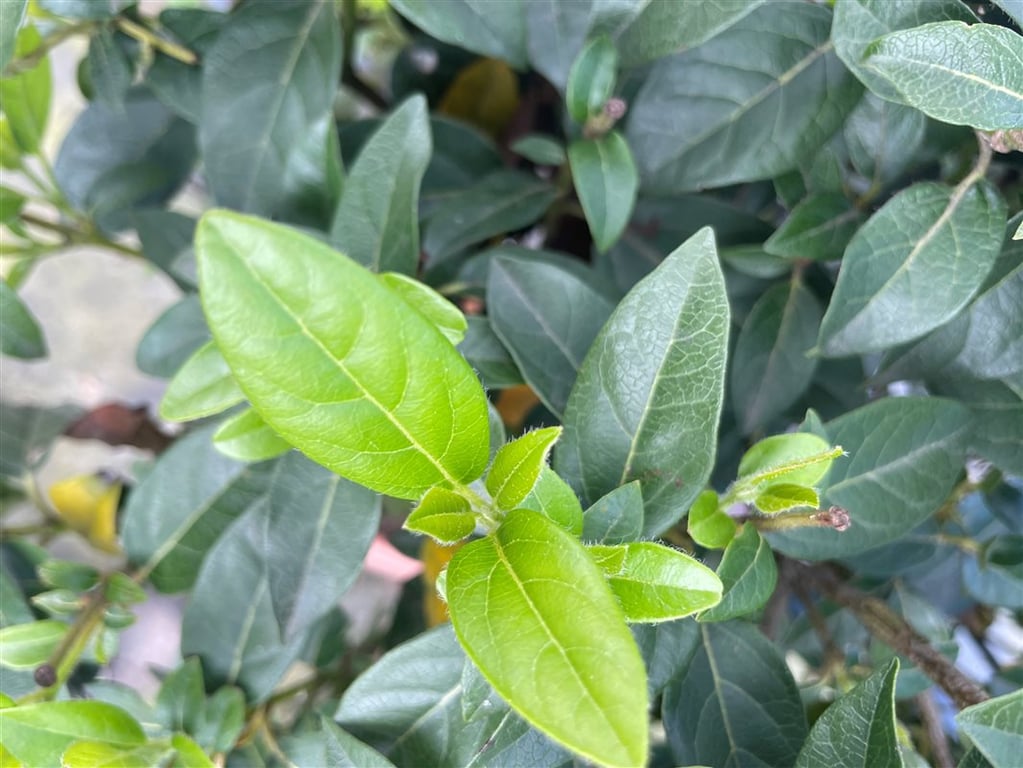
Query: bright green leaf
pixel 267 110
pixel 799 458
pixel 26 95
pixel 927 230
pixel 770 368
pixel 26 646
pixel 616 517
pixel 954 72
pixel 748 573
pixel 663 28
pixel 338 368
pixel 246 437
pixel 204 386
pixel 11 202
pixel 555 499
pixel 606 181
pixel 591 80
pixel 709 525
pixel 734 703
pixel 858 23
pixel 377 221
pixel 65 574
pixel 20 334
pixel 57 602
pixel 786 96
pixel 443 515
pixel 96 754
pixel 993 727
pixel 859 728
pixel 776 498
pixel 442 313
pixel 650 388
pixel 547 319
pixel 38 734
pixel 818 228
pixel 517 465
pixel 905 455
pixel 507 595
pixel 656 583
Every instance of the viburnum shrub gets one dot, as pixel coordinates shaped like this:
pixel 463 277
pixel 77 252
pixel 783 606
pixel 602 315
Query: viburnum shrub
pixel 682 341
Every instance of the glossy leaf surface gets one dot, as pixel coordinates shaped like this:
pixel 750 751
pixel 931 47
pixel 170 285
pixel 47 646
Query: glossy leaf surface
pixel 534 614
pixel 38 734
pixel 606 181
pixel 443 515
pixel 649 387
pixel 246 437
pixel 331 390
pixel 656 583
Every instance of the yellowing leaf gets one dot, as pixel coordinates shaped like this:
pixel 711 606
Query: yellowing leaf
pixel 88 504
pixel 484 94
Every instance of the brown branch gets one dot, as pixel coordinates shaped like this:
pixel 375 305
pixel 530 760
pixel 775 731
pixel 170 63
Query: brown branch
pixel 941 755
pixel 886 625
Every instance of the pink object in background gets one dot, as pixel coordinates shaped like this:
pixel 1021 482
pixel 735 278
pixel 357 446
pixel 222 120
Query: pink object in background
pixel 388 563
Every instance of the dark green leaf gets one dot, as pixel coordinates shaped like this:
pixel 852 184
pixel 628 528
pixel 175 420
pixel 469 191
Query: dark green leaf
pixel 667 650
pixel 26 95
pixel 26 433
pixel 735 703
pixel 650 386
pixel 954 72
pixel 606 181
pixel 330 746
pixel 461 155
pixel 229 621
pixel 246 437
pixel 410 699
pixel 182 697
pixel 770 367
pixel 38 734
pixel 173 338
pixel 996 410
pixel 926 230
pixel 859 728
pixel 616 517
pixel 787 94
pixel 514 584
pixel 882 138
pixel 110 70
pixel 547 318
pixel 84 9
pixel 591 80
pixel 11 16
pixel 858 23
pixel 176 84
pixel 491 29
pixel 818 228
pixel 993 728
pixel 539 149
pixel 905 457
pixel 170 525
pixel 665 28
pixel 318 530
pixel 488 356
pixel 259 155
pixel 166 239
pixel 749 575
pixel 113 160
pixel 377 222
pixel 20 334
pixel 500 202
pixel 203 386
pixel 338 366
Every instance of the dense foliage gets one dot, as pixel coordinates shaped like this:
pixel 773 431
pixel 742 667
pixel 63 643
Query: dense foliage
pixel 682 342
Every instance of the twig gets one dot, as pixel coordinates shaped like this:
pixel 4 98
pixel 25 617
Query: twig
pixel 47 44
pixel 161 44
pixel 882 622
pixel 941 755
